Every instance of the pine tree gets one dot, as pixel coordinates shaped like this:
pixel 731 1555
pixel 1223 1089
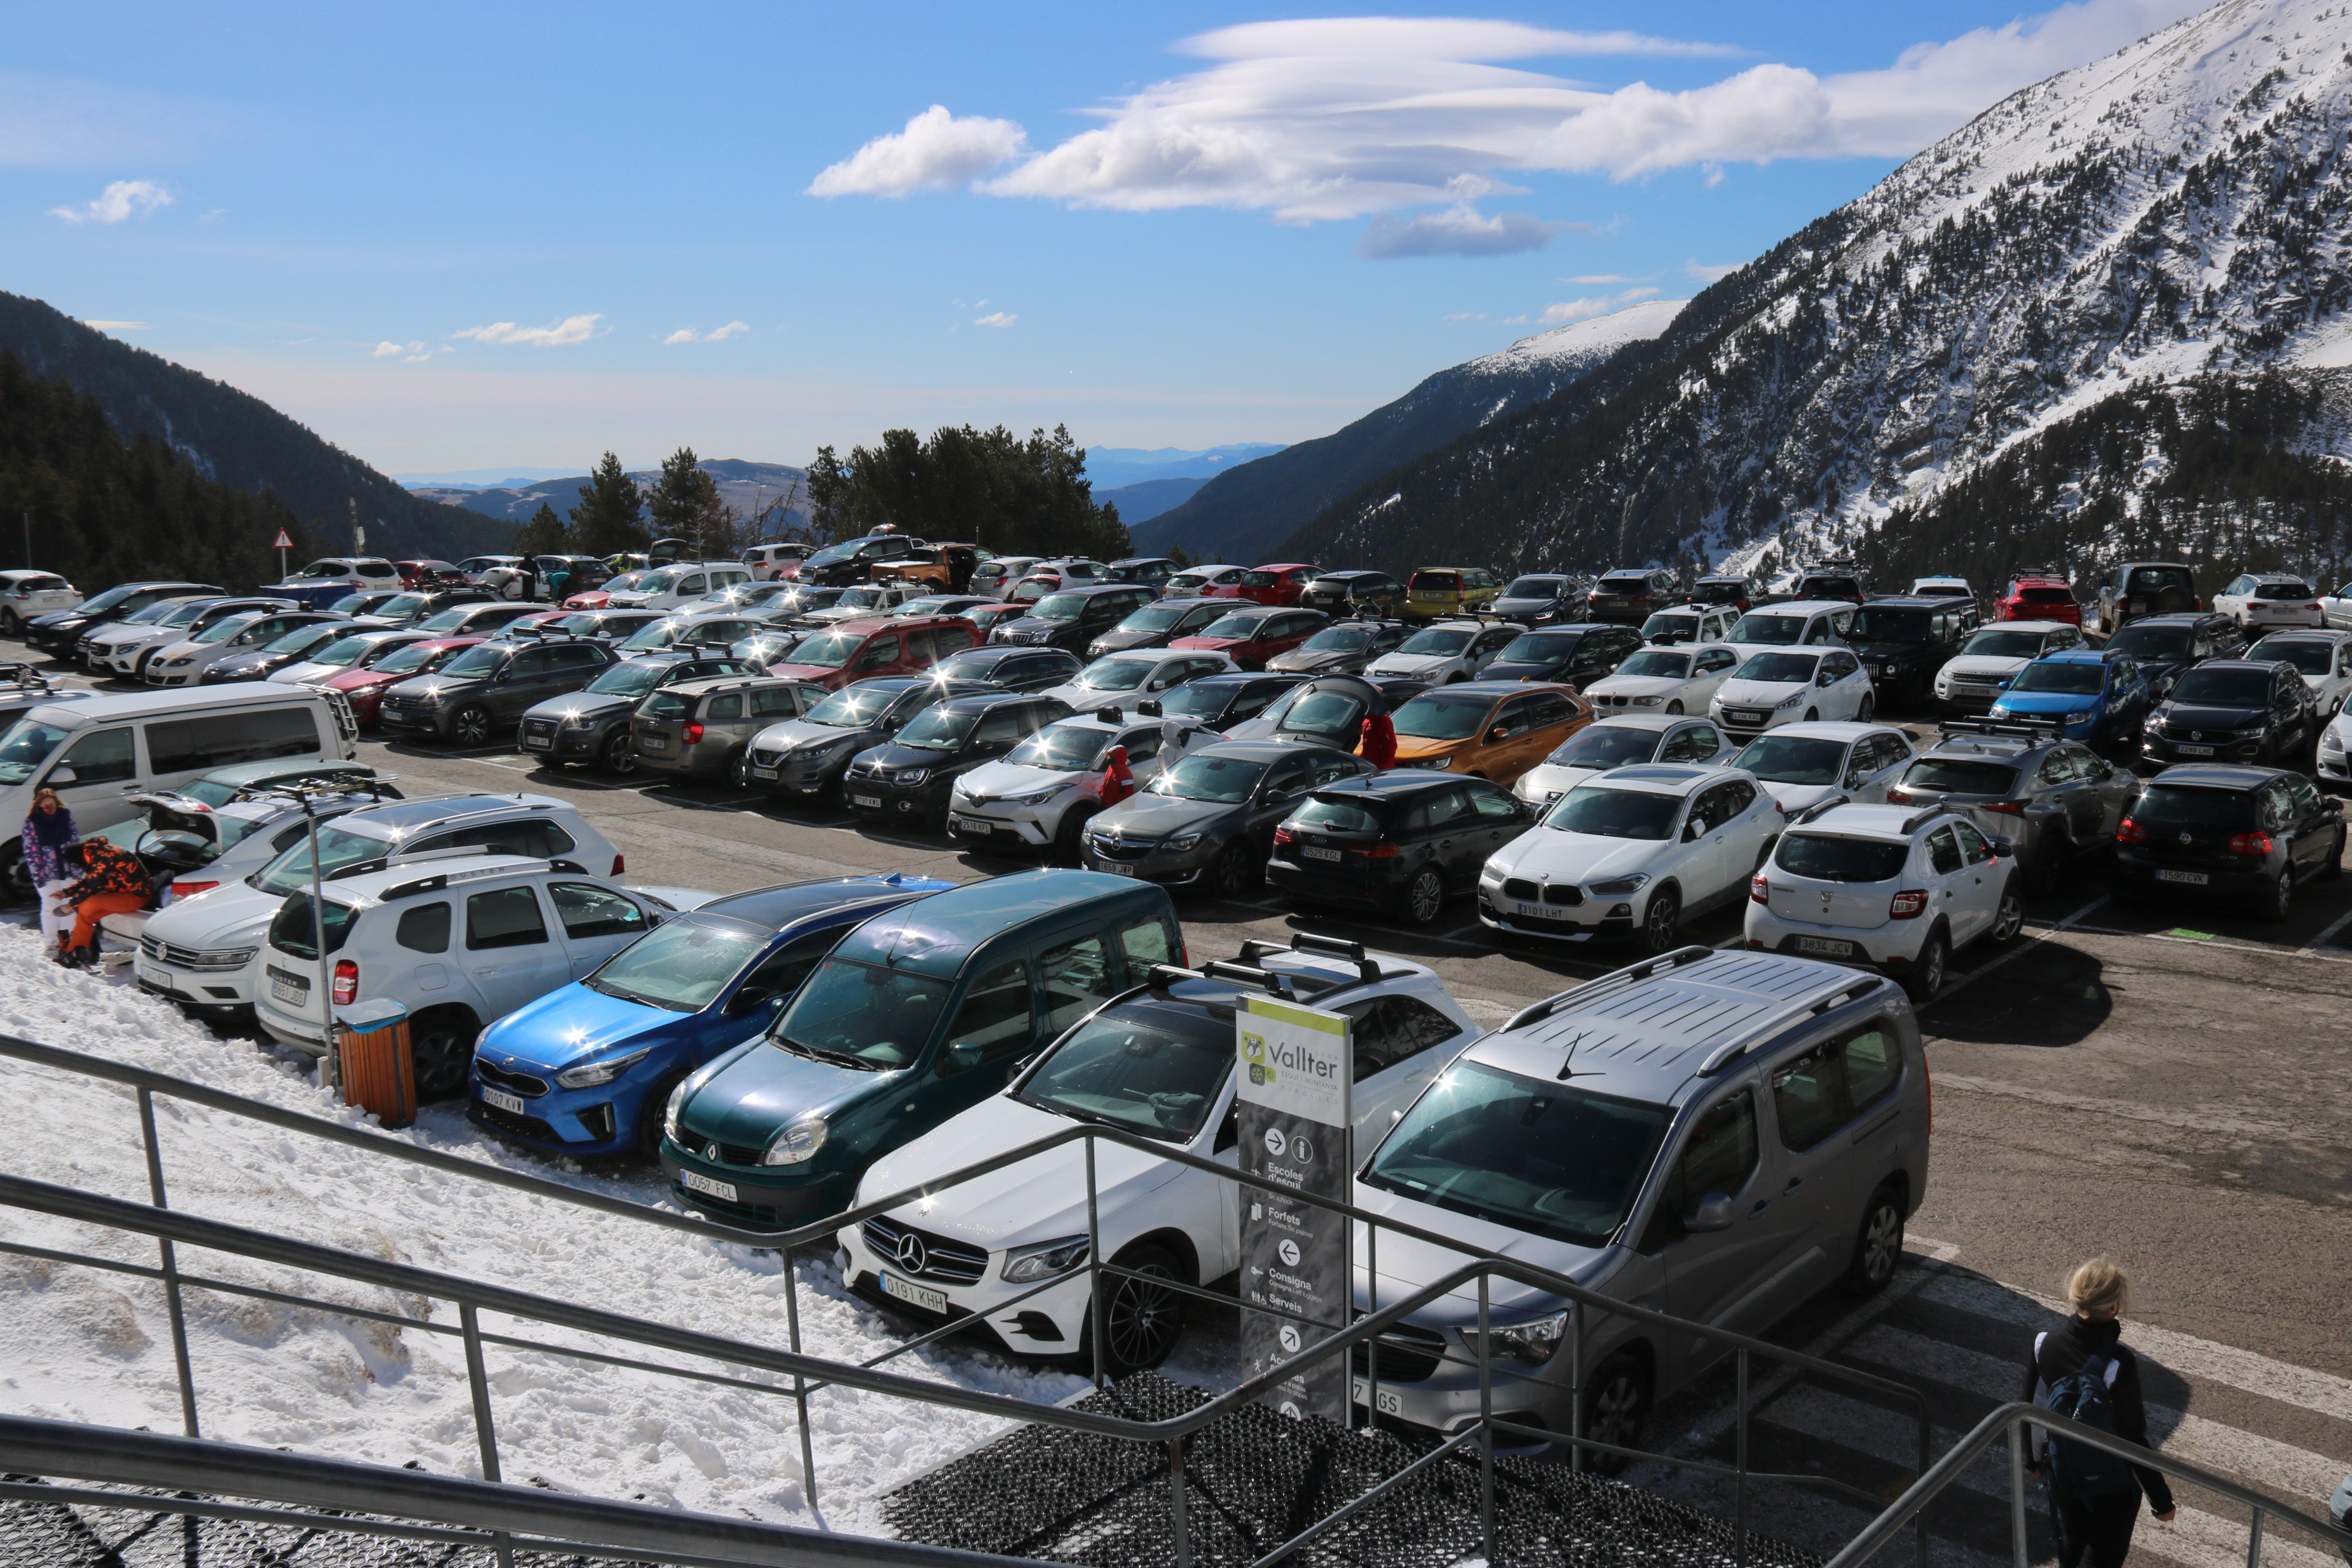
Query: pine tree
pixel 686 504
pixel 544 534
pixel 606 522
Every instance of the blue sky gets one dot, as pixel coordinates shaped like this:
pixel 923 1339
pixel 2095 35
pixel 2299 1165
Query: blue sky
pixel 451 236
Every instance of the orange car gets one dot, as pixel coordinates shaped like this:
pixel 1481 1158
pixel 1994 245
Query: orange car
pixel 1493 728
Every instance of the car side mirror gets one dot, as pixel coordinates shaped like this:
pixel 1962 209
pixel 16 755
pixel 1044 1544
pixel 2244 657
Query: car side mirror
pixel 964 1055
pixel 63 775
pixel 2002 848
pixel 1714 1213
pixel 1854 780
pixel 1499 732
pixel 1692 831
pixel 750 999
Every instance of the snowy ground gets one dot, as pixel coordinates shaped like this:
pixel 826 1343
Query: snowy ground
pixel 80 1345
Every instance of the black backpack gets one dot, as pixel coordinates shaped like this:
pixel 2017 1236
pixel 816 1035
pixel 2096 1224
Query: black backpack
pixel 2086 1395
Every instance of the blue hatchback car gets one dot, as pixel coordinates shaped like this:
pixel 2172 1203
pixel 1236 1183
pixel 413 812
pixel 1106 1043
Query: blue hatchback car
pixel 586 1070
pixel 2093 696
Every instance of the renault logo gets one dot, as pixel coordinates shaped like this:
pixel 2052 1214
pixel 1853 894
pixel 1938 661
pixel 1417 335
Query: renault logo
pixel 912 1255
pixel 711 1152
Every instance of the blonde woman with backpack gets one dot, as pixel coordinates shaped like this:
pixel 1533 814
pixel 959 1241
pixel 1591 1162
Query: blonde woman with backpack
pixel 2081 1370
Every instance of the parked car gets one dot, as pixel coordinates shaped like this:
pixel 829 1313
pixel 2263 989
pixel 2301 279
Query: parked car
pixel 1223 702
pixel 1156 1062
pixel 1623 1134
pixel 1804 765
pixel 710 632
pixel 1838 580
pixel 1434 593
pixel 1632 854
pixel 1903 642
pixel 1346 595
pixel 1675 680
pixel 1619 741
pixel 2232 710
pixel 808 755
pixel 2229 834
pixel 2139 588
pixel 1123 679
pixel 1152 571
pixel 1579 654
pixel 2092 695
pixel 587 1068
pixel 205 946
pixel 766 562
pixel 667 587
pixel 944 568
pixel 995 577
pixel 905 781
pixel 1793 623
pixel 359 646
pixel 2324 659
pixel 1972 680
pixel 185 663
pixel 960 604
pixel 289 647
pixel 826 607
pixel 1043 793
pixel 1886 887
pixel 2337 606
pixel 1279 583
pixel 55 632
pixel 862 650
pixel 476 620
pixel 1943 587
pixel 413 604
pixel 1053 577
pixel 1322 711
pixel 124 648
pixel 1788 686
pixel 1397 843
pixel 1449 651
pixel 2039 594
pixel 986 619
pixel 1072 618
pixel 483 693
pixel 1213 582
pixel 919 1013
pixel 2259 600
pixel 1157 625
pixel 2056 801
pixel 1013 669
pixel 1629 596
pixel 25 594
pixel 593 724
pixel 1690 623
pixel 1543 598
pixel 1733 591
pixel 2332 755
pixel 1489 729
pixel 363 687
pixel 1346 649
pixel 326 580
pixel 703 728
pixel 2164 645
pixel 1253 634
pixel 1210 819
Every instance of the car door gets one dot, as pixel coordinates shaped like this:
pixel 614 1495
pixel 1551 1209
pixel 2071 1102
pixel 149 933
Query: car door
pixel 1954 884
pixel 509 949
pixel 1498 816
pixel 597 922
pixel 1710 667
pixel 1284 781
pixel 1851 687
pixel 1754 823
pixel 2309 819
pixel 1715 1274
pixel 96 775
pixel 1802 1198
pixel 1485 647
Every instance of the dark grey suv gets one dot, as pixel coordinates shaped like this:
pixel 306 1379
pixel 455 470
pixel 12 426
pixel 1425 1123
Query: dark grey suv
pixel 488 688
pixel 592 725
pixel 1210 819
pixel 2053 799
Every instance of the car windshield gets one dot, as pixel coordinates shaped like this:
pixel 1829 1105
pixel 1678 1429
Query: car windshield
pixel 107 600
pixel 1339 639
pixel 657 583
pixel 2066 678
pixel 1153 1068
pixel 833 554
pixel 1116 674
pixel 862 1015
pixel 401 605
pixel 630 678
pixel 2308 654
pixel 1606 746
pixel 2142 640
pixel 1667 666
pixel 1606 813
pixel 1221 781
pixel 26 747
pixel 941 730
pixel 2176 805
pixel 409 658
pixel 1547 1158
pixel 1062 748
pixel 302 639
pixel 1792 760
pixel 165 613
pixel 1826 857
pixel 1435 716
pixel 654 636
pixel 339 849
pixel 1670 626
pixel 1238 626
pixel 1196 700
pixel 221 631
pixel 449 620
pixel 2282 591
pixel 1877 623
pixel 1536 648
pixel 1996 644
pixel 678 966
pixel 828 650
pixel 1783 668
pixel 1440 640
pixel 2208 686
pixel 861 599
pixel 1154 618
pixel 1777 631
pixel 342 654
pixel 1333 713
pixel 852 707
pixel 1533 588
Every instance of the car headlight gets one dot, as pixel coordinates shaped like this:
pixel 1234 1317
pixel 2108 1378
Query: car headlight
pixel 671 1112
pixel 1791 700
pixel 588 1074
pixel 796 1145
pixel 1647 701
pixel 1531 1343
pixel 912 776
pixel 1182 842
pixel 1035 797
pixel 1027 1264
pixel 1618 885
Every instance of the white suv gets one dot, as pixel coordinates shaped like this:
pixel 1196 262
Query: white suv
pixel 200 952
pixel 1044 791
pixel 460 939
pixel 1886 887
pixel 1972 680
pixel 1157 1061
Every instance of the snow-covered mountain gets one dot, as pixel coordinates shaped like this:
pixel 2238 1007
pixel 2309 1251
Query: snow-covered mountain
pixel 2125 242
pixel 1245 514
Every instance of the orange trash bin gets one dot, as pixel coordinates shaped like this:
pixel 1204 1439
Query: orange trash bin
pixel 378 1070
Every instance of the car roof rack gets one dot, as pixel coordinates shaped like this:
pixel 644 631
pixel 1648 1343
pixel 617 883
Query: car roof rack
pixel 2022 729
pixel 1367 967
pixel 1538 1012
pixel 1765 1029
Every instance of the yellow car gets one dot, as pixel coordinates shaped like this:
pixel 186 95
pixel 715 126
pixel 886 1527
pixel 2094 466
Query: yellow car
pixel 1436 591
pixel 1491 729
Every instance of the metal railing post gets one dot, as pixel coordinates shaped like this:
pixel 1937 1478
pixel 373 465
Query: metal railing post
pixel 485 1434
pixel 800 1384
pixel 1372 1345
pixel 1576 1388
pixel 1177 1523
pixel 1485 1425
pixel 1739 1486
pixel 1094 1264
pixel 2019 1436
pixel 2254 1542
pixel 171 1265
pixel 1927 1443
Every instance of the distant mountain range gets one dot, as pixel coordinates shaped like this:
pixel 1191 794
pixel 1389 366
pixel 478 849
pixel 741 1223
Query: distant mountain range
pixel 746 486
pixel 1116 468
pixel 235 438
pixel 1147 499
pixel 1246 514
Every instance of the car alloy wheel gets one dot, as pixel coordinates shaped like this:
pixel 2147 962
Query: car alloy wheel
pixel 1927 976
pixel 1869 706
pixel 1141 1319
pixel 1424 896
pixel 620 754
pixel 2280 897
pixel 1675 706
pixel 1880 1246
pixel 1070 838
pixel 471 727
pixel 1614 1410
pixel 11 624
pixel 1661 921
pixel 1236 872
pixel 739 768
pixel 2009 918
pixel 441 1047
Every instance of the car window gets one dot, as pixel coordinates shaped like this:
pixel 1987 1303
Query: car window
pixel 1721 1157
pixel 1944 851
pixel 1694 744
pixel 1737 797
pixel 1288 776
pixel 1001 725
pixel 1331 769
pixel 1493 803
pixel 784 969
pixel 1145 942
pixel 773 702
pixel 101 756
pixel 1809 1096
pixel 1078 980
pixel 1873 1066
pixel 1437 809
pixel 589 910
pixel 423 928
pixel 1973 843
pixel 2056 768
pixel 540 839
pixel 503 917
pixel 1142 745
pixel 1391 1030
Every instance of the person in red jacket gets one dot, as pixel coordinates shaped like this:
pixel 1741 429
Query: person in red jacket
pixel 115 882
pixel 1378 746
pixel 1118 779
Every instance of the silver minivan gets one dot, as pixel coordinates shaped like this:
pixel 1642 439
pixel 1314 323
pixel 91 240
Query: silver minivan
pixel 1717 1136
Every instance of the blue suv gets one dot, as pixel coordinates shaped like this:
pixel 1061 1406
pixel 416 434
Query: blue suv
pixel 586 1070
pixel 2095 696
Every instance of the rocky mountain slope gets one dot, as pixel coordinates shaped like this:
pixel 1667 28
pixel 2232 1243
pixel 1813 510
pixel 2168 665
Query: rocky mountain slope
pixel 1246 514
pixel 2167 226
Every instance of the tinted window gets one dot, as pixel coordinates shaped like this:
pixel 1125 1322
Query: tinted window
pixel 540 840
pixel 99 756
pixel 996 1014
pixel 1828 858
pixel 1721 1157
pixel 224 740
pixel 503 917
pixel 1393 1028
pixel 589 910
pixel 423 928
pixel 2175 807
pixel 1809 1096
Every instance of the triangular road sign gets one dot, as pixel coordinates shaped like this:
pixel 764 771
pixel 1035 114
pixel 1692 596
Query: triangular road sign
pixel 281 541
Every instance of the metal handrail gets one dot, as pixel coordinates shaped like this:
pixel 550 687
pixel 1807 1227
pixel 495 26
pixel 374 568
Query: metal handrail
pixel 2015 1420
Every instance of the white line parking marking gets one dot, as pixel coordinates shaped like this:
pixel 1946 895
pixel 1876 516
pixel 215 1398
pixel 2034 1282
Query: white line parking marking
pixel 2324 937
pixel 2068 923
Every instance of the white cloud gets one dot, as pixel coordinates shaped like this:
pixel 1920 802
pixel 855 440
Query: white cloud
pixel 1595 280
pixel 937 151
pixel 112 326
pixel 121 200
pixel 570 330
pixel 386 349
pixel 715 335
pixel 1466 316
pixel 1709 272
pixel 997 319
pixel 683 335
pixel 1458 230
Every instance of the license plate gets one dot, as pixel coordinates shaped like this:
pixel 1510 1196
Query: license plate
pixel 539 742
pixel 870 802
pixel 1741 716
pixel 1826 946
pixel 2195 750
pixel 764 773
pixel 1538 912
pixel 971 824
pixel 921 1296
pixel 1116 869
pixel 1314 854
pixel 156 977
pixel 695 1181
pixel 2193 878
pixel 501 1100
pixel 286 989
pixel 1391 1402
pixel 652 742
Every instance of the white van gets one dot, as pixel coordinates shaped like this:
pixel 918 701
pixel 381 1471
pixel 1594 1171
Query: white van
pixel 667 587
pixel 99 753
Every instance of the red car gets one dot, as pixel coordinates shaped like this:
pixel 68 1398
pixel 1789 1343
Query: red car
pixel 365 687
pixel 876 645
pixel 415 574
pixel 1279 583
pixel 1253 634
pixel 2039 596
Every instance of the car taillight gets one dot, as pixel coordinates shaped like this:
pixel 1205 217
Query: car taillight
pixel 1759 890
pixel 694 734
pixel 2255 843
pixel 1908 906
pixel 2130 832
pixel 1282 835
pixel 1899 797
pixel 190 889
pixel 347 982
pixel 1377 851
pixel 620 864
pixel 2007 807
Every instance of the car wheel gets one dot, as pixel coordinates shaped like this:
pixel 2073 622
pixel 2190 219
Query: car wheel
pixel 1141 1319
pixel 1615 1406
pixel 1869 706
pixel 1879 1247
pixel 650 1116
pixel 2009 918
pixel 11 624
pixel 441 1045
pixel 619 754
pixel 739 768
pixel 1811 714
pixel 1928 970
pixel 470 726
pixel 1069 838
pixel 15 883
pixel 1662 922
pixel 2278 899
pixel 2333 870
pixel 1675 706
pixel 1422 898
pixel 1235 871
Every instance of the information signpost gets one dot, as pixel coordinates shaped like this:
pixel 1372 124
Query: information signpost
pixel 1295 1119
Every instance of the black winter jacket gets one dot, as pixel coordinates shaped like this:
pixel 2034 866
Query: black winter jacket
pixel 2062 1353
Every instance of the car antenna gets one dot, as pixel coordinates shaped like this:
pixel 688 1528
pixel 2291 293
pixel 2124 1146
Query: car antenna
pixel 1567 1063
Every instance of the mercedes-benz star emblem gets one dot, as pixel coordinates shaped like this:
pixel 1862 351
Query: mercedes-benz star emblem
pixel 911 1254
pixel 2196 734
